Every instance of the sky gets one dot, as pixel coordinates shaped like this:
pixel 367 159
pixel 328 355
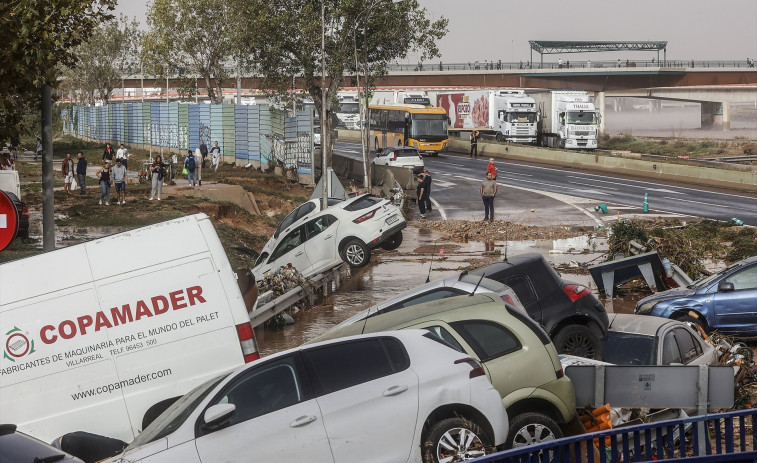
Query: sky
pixel 501 29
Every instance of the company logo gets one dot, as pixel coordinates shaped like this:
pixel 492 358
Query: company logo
pixel 17 344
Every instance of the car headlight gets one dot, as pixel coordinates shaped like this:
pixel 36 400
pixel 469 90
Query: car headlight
pixel 646 307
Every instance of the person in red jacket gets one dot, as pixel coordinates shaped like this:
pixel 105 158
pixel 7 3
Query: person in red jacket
pixel 491 169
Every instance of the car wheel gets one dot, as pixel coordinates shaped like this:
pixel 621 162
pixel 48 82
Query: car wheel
pixel 697 321
pixel 578 340
pixel 453 440
pixel 356 254
pixel 500 137
pixel 393 242
pixel 531 428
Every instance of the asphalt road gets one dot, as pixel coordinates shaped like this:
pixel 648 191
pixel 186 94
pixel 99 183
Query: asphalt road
pixel 566 196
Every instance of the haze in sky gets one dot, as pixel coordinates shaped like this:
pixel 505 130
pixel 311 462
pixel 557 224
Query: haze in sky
pixel 501 29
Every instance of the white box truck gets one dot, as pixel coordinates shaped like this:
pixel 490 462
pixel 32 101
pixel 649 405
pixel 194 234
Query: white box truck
pixel 568 119
pixel 100 336
pixel 508 114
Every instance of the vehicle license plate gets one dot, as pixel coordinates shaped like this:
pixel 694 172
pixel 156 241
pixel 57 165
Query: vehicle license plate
pixel 392 219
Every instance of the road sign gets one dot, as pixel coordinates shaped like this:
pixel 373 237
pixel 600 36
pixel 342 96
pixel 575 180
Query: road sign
pixel 8 221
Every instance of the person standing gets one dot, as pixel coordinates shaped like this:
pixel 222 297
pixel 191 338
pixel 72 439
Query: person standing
pixel 119 178
pixel 421 193
pixel 158 171
pixel 488 191
pixel 81 173
pixel 108 153
pixel 491 169
pixel 67 168
pixel 215 153
pixel 473 144
pixel 190 163
pixel 203 152
pixel 122 154
pixel 7 163
pixel 104 175
pixel 427 190
pixel 199 165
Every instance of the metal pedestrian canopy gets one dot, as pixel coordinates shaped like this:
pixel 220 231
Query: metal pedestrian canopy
pixel 547 47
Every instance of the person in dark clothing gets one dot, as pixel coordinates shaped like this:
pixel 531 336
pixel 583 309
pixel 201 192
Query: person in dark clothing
pixel 81 173
pixel 108 153
pixel 203 152
pixel 473 143
pixel 421 194
pixel 427 190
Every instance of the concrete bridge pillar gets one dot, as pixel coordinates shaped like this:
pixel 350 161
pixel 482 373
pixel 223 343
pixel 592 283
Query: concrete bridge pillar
pixel 716 115
pixel 599 101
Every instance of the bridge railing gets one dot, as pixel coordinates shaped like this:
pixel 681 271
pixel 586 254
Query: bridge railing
pixel 719 437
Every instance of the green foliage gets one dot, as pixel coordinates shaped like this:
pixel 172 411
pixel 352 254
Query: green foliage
pixel 678 148
pixel 191 37
pixel 743 246
pixel 38 37
pixel 625 232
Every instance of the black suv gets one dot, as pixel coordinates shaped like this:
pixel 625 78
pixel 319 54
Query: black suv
pixel 575 319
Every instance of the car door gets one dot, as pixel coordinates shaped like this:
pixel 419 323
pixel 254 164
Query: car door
pixel 381 158
pixel 320 242
pixel 290 250
pixel 276 418
pixel 522 286
pixel 736 310
pixel 368 396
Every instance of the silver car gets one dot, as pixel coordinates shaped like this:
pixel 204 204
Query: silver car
pixel 458 285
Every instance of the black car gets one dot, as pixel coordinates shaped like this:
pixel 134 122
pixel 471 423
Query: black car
pixel 575 319
pixel 17 447
pixel 22 212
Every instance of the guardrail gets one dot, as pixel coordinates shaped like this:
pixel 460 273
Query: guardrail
pixel 727 437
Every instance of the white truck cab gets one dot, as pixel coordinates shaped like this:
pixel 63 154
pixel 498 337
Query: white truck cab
pixel 568 119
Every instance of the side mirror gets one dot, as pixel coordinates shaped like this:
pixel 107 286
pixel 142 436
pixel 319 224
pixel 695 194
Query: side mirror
pixel 725 287
pixel 217 415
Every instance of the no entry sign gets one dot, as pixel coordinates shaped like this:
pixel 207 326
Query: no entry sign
pixel 8 221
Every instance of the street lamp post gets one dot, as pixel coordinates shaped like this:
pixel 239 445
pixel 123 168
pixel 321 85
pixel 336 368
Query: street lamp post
pixel 324 138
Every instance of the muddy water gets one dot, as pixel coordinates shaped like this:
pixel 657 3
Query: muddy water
pixel 396 272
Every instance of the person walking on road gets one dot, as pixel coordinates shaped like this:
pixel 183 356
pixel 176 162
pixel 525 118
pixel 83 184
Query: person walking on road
pixel 215 153
pixel 203 152
pixel 67 168
pixel 158 171
pixel 81 173
pixel 422 194
pixel 123 154
pixel 473 144
pixel 104 175
pixel 190 163
pixel 108 153
pixel 199 165
pixel 119 178
pixel 427 190
pixel 488 191
pixel 491 169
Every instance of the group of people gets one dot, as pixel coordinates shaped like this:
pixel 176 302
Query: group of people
pixel 196 161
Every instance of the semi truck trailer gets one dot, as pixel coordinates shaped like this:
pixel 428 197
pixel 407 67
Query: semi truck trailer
pixel 567 119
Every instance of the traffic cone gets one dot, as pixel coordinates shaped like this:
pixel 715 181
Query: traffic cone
pixel 646 202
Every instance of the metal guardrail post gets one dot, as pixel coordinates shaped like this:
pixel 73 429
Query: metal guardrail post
pixel 704 389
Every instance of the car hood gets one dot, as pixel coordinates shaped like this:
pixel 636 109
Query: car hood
pixel 667 295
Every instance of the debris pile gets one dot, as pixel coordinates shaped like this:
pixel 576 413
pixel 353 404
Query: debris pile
pixel 464 230
pixel 279 282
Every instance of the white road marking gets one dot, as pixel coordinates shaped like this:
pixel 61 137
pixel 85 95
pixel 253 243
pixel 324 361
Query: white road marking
pixel 696 202
pixel 443 184
pixel 591 192
pixel 439 208
pixel 595 186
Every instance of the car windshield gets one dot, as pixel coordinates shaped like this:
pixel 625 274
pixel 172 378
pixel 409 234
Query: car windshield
pixel 521 117
pixel 406 152
pixel 582 117
pixel 21 447
pixel 349 108
pixel 707 280
pixel 175 415
pixel 628 349
pixel 428 125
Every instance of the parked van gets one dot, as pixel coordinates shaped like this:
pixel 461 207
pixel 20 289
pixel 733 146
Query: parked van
pixel 103 336
pixel 9 181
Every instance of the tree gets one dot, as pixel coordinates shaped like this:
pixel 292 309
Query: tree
pixel 192 37
pixel 283 39
pixel 38 37
pixel 102 61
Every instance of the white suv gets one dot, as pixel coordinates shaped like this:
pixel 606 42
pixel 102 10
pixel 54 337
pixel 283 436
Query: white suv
pixel 314 240
pixel 392 396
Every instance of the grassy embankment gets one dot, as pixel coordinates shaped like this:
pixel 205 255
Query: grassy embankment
pixel 678 148
pixel 239 230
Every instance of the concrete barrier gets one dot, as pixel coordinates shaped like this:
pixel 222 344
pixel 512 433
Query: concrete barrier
pixel 678 171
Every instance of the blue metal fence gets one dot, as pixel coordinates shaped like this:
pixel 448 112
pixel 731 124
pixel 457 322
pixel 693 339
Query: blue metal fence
pixel 727 437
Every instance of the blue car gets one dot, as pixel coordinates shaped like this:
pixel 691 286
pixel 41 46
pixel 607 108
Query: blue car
pixel 725 301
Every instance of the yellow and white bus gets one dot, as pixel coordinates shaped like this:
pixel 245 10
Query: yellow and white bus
pixel 416 125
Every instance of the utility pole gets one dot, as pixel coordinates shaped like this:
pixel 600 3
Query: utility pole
pixel 48 204
pixel 325 139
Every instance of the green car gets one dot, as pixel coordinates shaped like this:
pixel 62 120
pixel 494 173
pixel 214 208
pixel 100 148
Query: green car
pixel 519 358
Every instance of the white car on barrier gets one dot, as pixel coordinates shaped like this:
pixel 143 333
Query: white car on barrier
pixel 313 240
pixel 400 156
pixel 390 396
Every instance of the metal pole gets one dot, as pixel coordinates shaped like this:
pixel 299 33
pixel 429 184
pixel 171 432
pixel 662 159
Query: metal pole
pixel 360 111
pixel 48 205
pixel 166 86
pixel 367 149
pixel 325 138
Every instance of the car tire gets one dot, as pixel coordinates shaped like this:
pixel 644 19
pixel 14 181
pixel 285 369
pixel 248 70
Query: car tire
pixel 444 441
pixel 393 242
pixel 356 254
pixel 578 340
pixel 500 137
pixel 531 428
pixel 697 321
